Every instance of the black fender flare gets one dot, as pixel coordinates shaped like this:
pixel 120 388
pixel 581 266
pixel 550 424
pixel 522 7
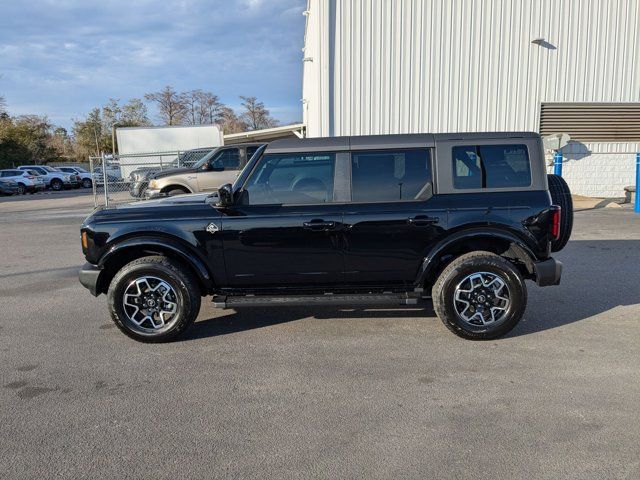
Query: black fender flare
pixel 430 262
pixel 175 246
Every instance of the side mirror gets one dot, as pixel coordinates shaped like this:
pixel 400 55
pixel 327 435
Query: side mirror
pixel 225 195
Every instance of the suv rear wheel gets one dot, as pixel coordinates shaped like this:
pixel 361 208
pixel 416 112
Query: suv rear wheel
pixel 153 299
pixel 480 296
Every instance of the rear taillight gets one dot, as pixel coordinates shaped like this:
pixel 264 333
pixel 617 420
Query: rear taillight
pixel 556 212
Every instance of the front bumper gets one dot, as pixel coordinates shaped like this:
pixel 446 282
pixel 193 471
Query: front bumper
pixel 138 188
pixel 89 276
pixel 548 272
pixel 150 193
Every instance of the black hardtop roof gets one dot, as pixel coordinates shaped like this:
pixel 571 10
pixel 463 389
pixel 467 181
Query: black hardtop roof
pixel 362 142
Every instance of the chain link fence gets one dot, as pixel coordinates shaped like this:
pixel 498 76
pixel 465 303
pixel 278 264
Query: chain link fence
pixel 124 178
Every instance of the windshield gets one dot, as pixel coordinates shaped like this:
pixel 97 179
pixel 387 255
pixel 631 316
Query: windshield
pixel 80 169
pixel 50 169
pixel 248 168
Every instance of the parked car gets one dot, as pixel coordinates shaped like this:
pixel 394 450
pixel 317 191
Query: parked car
pixel 28 181
pixel 113 174
pixel 461 218
pixel 53 179
pixel 8 187
pixel 84 177
pixel 139 178
pixel 220 166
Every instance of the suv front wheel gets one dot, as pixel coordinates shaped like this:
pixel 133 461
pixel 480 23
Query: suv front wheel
pixel 153 299
pixel 480 296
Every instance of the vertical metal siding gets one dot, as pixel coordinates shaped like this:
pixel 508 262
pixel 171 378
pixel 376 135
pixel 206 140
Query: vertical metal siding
pixel 382 66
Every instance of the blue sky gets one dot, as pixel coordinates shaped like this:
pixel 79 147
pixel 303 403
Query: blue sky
pixel 63 57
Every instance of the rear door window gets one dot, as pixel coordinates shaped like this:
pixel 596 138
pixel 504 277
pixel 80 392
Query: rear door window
pixel 390 175
pixel 251 151
pixel 491 166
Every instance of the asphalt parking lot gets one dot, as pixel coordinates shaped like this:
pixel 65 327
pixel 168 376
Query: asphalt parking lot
pixel 324 393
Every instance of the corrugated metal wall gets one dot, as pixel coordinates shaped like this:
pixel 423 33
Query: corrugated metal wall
pixel 383 66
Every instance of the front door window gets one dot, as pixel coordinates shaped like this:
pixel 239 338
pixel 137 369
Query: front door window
pixel 285 179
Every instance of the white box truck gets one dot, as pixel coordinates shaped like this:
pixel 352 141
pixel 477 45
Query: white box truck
pixel 138 146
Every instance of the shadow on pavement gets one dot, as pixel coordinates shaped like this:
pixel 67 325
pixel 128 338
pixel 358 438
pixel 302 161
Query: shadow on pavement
pixel 598 276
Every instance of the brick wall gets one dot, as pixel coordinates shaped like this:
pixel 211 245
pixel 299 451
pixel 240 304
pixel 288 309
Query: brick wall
pixel 598 169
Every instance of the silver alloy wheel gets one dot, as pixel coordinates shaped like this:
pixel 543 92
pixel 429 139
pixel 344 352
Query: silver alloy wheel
pixel 482 298
pixel 150 303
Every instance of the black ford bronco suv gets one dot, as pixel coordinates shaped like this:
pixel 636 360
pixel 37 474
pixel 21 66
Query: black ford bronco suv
pixel 462 219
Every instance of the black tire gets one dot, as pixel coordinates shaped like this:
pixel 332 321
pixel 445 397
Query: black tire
pixel 56 184
pixel 171 191
pixel 561 196
pixel 186 295
pixel 87 183
pixel 22 189
pixel 444 291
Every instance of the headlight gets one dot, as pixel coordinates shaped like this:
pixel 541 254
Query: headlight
pixel 152 184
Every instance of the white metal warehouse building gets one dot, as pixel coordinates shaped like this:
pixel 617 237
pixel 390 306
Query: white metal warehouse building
pixel 552 66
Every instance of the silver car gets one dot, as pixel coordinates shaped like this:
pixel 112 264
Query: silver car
pixel 27 180
pixel 54 179
pixel 85 177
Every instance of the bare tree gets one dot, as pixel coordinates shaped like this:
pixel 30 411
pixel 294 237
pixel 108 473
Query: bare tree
pixel 231 123
pixel 202 107
pixel 171 105
pixel 211 108
pixel 3 104
pixel 255 115
pixel 134 114
pixel 191 102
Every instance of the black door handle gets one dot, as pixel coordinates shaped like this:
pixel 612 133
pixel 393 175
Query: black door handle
pixel 319 225
pixel 422 220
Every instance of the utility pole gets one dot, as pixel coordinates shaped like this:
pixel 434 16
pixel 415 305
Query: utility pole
pixel 113 140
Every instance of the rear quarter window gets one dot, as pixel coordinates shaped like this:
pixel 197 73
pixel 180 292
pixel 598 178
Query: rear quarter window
pixel 491 166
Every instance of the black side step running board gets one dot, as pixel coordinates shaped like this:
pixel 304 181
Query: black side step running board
pixel 221 301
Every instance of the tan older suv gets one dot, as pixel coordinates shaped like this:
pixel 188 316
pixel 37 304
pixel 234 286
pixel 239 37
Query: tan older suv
pixel 218 167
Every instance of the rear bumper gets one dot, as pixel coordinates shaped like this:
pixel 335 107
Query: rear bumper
pixel 548 272
pixel 89 276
